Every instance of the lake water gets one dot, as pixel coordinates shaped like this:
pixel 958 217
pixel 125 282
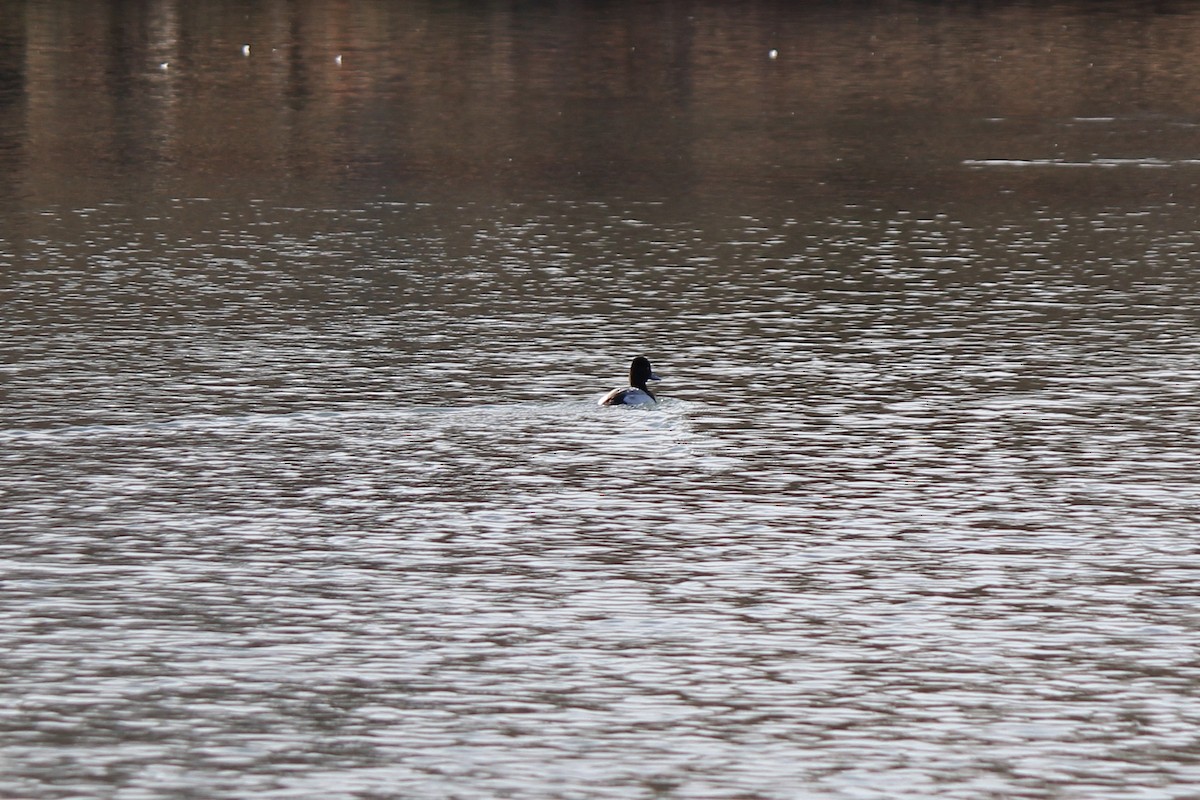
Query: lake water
pixel 304 491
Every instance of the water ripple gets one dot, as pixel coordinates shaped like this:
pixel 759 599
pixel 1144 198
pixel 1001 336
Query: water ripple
pixel 915 517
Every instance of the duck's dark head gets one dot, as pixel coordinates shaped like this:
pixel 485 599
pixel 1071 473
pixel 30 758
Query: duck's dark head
pixel 640 371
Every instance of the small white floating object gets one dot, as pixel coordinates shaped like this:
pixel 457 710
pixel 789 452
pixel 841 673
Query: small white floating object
pixel 338 59
pixel 164 65
pixel 773 54
pixel 245 49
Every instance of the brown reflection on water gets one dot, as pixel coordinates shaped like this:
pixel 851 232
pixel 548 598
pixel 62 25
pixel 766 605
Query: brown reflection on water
pixel 669 97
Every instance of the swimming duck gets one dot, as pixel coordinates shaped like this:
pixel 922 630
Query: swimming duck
pixel 636 393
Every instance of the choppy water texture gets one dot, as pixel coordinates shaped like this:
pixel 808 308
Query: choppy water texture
pixel 303 487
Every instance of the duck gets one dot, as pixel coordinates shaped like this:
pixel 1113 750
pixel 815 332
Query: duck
pixel 636 393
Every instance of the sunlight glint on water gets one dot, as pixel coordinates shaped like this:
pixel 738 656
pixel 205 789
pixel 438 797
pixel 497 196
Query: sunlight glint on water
pixel 874 523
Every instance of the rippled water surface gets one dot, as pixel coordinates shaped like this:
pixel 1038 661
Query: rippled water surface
pixel 305 491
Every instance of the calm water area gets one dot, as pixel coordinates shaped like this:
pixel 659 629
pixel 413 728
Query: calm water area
pixel 305 308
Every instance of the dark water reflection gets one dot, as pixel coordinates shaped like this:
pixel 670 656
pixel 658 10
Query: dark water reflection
pixel 305 492
pixel 667 98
